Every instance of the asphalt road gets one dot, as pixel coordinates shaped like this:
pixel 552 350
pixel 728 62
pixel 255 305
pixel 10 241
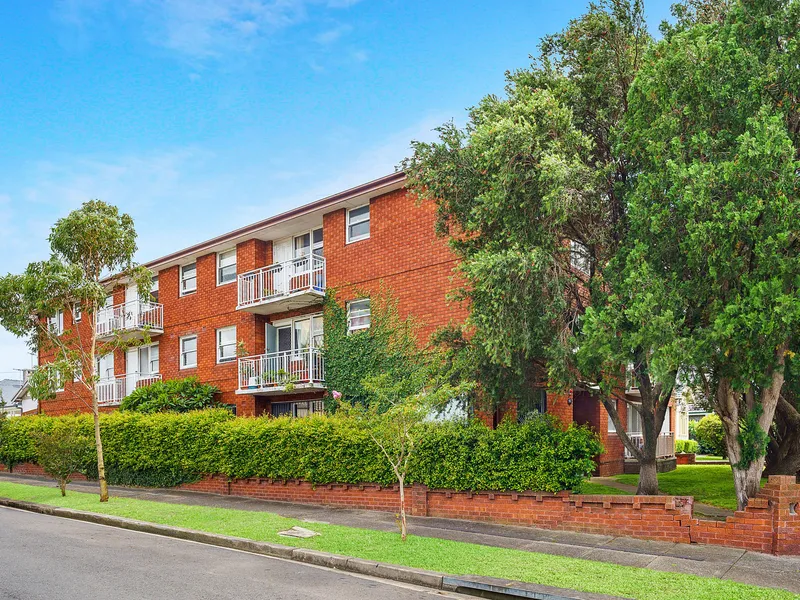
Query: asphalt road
pixel 43 557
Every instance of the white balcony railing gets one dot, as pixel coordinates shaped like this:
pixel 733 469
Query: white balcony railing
pixel 282 369
pixel 113 389
pixel 665 444
pixel 301 274
pixel 134 315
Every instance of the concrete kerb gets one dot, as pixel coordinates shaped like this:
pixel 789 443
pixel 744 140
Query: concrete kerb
pixel 420 577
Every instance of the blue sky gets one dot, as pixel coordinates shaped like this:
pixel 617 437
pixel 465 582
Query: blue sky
pixel 199 116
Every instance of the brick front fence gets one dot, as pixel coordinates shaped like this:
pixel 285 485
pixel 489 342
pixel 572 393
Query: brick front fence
pixel 770 523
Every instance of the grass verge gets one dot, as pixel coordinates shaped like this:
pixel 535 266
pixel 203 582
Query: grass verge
pixel 709 484
pixel 456 558
pixel 597 489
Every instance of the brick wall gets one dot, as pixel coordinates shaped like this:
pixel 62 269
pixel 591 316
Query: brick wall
pixel 770 523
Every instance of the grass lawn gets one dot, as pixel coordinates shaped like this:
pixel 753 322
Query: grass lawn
pixel 596 489
pixel 426 553
pixel 710 484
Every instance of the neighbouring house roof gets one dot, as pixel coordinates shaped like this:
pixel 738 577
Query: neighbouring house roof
pixel 10 389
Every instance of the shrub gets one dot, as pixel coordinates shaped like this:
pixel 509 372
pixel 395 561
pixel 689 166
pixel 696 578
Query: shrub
pixel 711 435
pixel 62 452
pixel 167 449
pixel 174 395
pixel 685 447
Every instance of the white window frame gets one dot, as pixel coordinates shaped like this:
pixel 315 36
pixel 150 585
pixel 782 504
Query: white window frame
pixel 183 290
pixel 182 352
pixel 348 223
pixel 220 267
pixel 611 427
pixel 220 359
pixel 350 316
pixel 154 287
pixel 317 329
pixel 77 312
pixel 55 324
pixel 149 348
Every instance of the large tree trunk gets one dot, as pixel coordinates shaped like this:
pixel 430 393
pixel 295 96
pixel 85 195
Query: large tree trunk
pixel 746 478
pixel 783 453
pixel 648 477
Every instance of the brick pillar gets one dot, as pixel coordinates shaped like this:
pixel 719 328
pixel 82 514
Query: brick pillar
pixel 419 500
pixel 783 493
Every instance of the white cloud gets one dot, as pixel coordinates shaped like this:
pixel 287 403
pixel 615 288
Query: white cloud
pixel 197 29
pixel 332 35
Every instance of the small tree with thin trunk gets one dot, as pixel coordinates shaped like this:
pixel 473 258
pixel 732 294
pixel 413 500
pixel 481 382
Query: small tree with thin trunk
pixel 92 252
pixel 61 453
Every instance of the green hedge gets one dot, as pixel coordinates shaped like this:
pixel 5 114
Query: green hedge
pixel 173 395
pixel 686 447
pixel 166 449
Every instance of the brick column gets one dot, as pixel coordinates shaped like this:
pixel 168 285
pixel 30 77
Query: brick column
pixel 783 493
pixel 419 500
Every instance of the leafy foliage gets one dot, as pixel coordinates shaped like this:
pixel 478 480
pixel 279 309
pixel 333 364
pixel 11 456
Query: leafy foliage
pixel 386 347
pixel 711 436
pixel 62 452
pixel 686 446
pixel 164 449
pixel 173 395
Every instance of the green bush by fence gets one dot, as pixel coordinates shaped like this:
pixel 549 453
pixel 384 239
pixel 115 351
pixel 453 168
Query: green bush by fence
pixel 711 436
pixel 173 395
pixel 166 449
pixel 686 447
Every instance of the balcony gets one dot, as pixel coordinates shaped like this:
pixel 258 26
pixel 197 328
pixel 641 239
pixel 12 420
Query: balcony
pixel 111 391
pixel 283 286
pixel 282 372
pixel 665 444
pixel 131 320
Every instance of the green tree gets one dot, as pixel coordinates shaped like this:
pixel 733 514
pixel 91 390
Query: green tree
pixel 532 196
pixel 713 133
pixel 92 251
pixel 61 453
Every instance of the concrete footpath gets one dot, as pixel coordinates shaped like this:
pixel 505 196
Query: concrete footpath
pixel 695 559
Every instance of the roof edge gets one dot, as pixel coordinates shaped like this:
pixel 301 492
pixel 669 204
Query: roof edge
pixel 370 186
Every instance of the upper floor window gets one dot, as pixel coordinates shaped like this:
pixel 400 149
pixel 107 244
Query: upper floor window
pixel 77 313
pixel 579 257
pixel 226 344
pixel 147 360
pixel 188 351
pixel 358 315
pixel 308 243
pixel 188 279
pixel 226 266
pixel 154 289
pixel 56 323
pixel 611 427
pixel 358 223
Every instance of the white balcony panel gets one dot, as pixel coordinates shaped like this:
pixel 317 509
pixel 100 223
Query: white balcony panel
pixel 112 390
pixel 282 372
pixel 283 286
pixel 132 319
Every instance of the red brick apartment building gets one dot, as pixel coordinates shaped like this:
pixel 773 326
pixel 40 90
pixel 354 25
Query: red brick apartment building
pixel 244 310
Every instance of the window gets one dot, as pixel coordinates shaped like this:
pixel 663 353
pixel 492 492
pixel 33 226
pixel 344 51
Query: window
pixel 634 420
pixel 611 427
pixel 148 363
pixel 77 313
pixel 532 405
pixel 665 426
pixel 316 242
pixel 358 223
pixel 56 323
pixel 154 289
pixel 226 266
pixel 358 315
pixel 188 279
pixel 579 257
pixel 188 352
pixel 226 344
